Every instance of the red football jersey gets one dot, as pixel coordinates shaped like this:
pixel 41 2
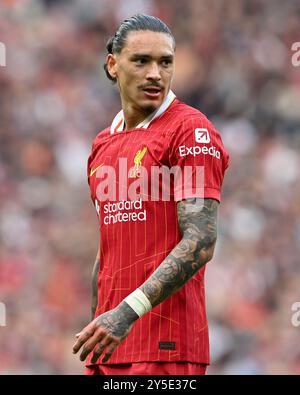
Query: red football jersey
pixel 138 223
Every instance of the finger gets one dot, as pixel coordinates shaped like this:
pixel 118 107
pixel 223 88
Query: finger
pixel 109 351
pixel 82 338
pixel 99 349
pixel 91 343
pixel 78 334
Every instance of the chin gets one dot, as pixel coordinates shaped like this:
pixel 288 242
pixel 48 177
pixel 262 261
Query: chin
pixel 151 106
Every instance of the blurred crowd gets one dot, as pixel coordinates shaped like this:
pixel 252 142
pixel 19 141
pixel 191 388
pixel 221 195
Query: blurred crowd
pixel 233 63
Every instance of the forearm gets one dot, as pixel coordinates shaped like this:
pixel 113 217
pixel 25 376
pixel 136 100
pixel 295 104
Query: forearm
pixel 176 270
pixel 95 286
pixel 198 224
pixel 193 251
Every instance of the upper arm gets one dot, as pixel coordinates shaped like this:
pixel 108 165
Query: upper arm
pixel 198 222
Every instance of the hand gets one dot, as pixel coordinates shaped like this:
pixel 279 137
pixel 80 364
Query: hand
pixel 105 332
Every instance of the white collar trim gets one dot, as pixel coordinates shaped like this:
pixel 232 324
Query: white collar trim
pixel 119 121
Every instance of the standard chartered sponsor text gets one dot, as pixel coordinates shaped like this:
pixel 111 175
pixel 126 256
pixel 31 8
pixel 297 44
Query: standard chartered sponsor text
pixel 119 212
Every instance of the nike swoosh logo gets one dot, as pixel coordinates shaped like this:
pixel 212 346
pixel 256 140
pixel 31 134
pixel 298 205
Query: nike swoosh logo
pixel 94 170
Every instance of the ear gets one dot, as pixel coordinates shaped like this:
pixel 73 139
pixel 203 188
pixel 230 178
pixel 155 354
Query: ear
pixel 111 65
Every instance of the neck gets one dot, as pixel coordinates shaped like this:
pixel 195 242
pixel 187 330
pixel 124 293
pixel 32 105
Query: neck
pixel 134 116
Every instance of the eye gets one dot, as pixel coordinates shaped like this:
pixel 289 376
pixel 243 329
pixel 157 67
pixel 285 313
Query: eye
pixel 166 62
pixel 140 61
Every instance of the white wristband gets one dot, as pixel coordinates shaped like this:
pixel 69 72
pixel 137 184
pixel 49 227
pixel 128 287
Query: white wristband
pixel 139 302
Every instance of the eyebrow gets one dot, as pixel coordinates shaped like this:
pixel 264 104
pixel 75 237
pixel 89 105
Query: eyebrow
pixel 147 56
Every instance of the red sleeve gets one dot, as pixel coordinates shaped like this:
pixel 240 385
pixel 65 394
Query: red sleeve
pixel 95 144
pixel 198 152
pixel 89 162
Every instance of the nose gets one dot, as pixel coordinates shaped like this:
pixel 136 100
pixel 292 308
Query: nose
pixel 153 72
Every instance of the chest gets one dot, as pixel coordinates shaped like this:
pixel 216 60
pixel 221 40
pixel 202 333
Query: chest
pixel 126 158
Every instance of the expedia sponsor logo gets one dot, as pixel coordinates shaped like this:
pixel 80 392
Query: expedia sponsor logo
pixel 202 135
pixel 197 150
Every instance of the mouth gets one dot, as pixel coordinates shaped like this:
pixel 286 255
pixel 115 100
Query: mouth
pixel 152 92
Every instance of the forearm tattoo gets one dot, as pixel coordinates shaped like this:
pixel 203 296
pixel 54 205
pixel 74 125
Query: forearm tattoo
pixel 198 224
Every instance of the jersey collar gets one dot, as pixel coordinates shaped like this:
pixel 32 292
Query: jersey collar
pixel 119 122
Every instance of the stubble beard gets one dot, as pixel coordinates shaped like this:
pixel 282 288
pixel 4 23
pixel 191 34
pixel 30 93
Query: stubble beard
pixel 149 109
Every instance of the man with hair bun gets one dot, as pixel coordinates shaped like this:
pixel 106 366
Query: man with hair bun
pixel 148 305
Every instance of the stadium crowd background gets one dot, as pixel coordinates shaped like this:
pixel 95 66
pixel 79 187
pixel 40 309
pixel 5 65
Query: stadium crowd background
pixel 234 64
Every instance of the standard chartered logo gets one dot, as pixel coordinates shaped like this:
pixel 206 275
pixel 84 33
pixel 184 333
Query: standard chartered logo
pixel 123 211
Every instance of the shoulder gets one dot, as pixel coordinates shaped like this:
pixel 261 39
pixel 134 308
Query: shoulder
pixel 191 121
pixel 97 142
pixel 102 136
pixel 178 113
pixel 194 131
pixel 182 110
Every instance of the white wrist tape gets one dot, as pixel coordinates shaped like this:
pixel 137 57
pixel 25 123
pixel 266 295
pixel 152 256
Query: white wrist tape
pixel 139 302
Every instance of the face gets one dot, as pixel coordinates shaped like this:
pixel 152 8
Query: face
pixel 144 69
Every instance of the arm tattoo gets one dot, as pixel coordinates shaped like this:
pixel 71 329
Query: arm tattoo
pixel 117 322
pixel 198 224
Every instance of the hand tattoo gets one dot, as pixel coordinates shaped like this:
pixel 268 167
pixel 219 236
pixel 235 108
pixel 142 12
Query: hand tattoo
pixel 117 322
pixel 105 333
